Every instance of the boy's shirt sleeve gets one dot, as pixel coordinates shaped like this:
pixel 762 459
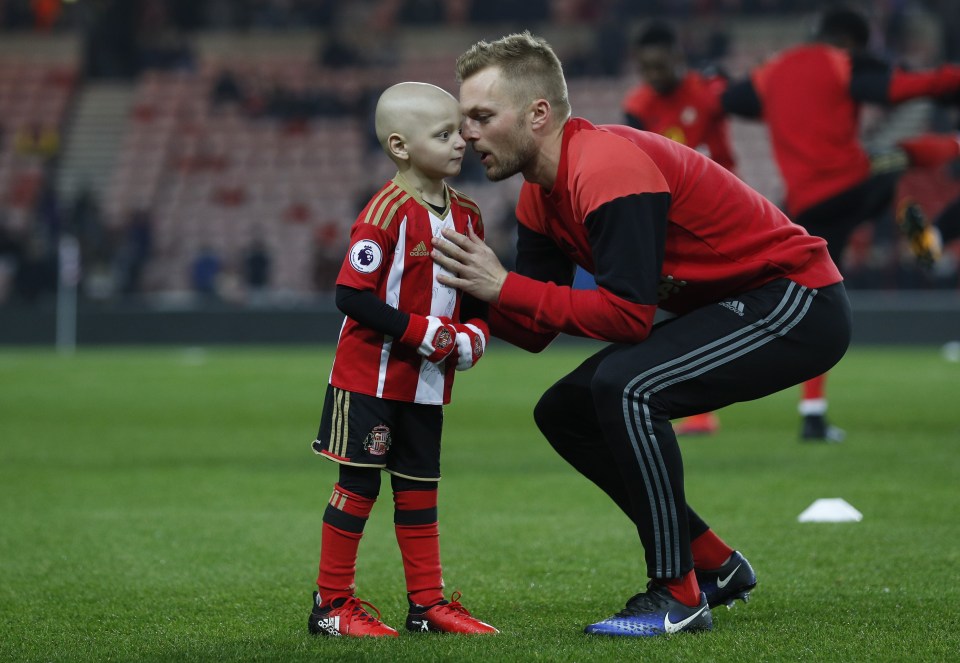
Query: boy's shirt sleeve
pixel 367 259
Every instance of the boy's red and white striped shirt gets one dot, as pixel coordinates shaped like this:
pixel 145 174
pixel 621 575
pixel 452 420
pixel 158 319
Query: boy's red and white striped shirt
pixel 390 244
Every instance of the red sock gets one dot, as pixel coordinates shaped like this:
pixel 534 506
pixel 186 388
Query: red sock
pixel 815 388
pixel 685 589
pixel 709 551
pixel 418 533
pixel 343 523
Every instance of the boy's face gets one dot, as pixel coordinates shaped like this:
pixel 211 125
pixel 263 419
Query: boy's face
pixel 435 145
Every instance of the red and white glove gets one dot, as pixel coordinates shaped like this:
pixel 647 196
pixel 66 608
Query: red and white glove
pixel 471 342
pixel 434 338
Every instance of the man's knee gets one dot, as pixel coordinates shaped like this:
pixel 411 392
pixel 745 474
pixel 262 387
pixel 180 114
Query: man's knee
pixel 548 409
pixel 610 385
pixel 613 391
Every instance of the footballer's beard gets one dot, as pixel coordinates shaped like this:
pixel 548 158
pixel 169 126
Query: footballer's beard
pixel 508 165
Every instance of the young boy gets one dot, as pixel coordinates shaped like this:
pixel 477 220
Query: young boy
pixel 404 336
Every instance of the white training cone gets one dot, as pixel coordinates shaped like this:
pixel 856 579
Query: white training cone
pixel 830 510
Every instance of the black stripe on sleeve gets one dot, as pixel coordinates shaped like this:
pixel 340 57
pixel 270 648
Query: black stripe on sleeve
pixel 540 258
pixel 741 98
pixel 628 236
pixel 370 311
pixel 870 80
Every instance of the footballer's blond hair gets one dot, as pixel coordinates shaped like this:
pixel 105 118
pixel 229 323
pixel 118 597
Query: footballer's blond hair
pixel 528 65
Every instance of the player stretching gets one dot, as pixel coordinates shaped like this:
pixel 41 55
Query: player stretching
pixel 759 306
pixel 809 96
pixel 399 346
pixel 683 105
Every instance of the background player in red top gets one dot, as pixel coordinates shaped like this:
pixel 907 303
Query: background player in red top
pixel 809 96
pixel 759 306
pixel 399 346
pixel 683 105
pixel 674 101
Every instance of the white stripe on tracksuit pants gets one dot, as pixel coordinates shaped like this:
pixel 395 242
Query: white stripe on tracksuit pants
pixel 792 308
pixel 610 417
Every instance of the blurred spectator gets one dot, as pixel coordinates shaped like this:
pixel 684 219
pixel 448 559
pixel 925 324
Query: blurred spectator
pixel 226 89
pixel 49 221
pixel 338 52
pixel 328 250
pixel 11 252
pixel 84 221
pixel 205 273
pixel 134 251
pixel 256 269
pixel 37 139
pixel 36 273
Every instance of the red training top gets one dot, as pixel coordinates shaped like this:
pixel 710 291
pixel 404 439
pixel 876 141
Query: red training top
pixel 658 224
pixel 810 98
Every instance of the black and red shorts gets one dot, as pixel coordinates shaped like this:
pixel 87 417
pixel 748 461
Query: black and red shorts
pixel 366 431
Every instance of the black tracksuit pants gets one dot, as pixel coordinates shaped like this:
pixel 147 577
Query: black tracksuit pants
pixel 610 418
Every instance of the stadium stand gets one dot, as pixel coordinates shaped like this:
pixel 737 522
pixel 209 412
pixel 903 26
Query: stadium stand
pixel 35 96
pixel 220 173
pixel 266 135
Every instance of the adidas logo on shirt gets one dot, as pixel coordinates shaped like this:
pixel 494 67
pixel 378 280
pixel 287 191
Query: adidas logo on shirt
pixel 735 306
pixel 420 250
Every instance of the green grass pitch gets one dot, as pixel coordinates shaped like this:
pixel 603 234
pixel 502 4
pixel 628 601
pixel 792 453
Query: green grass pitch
pixel 163 504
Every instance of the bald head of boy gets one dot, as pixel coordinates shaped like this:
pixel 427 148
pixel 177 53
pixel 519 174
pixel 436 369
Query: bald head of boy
pixel 408 110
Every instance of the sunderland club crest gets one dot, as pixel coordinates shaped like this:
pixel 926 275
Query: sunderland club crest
pixel 477 346
pixel 378 440
pixel 443 339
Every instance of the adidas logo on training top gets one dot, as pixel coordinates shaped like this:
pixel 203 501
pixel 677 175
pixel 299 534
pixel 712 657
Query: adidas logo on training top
pixel 420 250
pixel 735 306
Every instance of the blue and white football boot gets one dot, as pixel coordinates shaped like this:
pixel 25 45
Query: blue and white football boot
pixel 655 612
pixel 734 580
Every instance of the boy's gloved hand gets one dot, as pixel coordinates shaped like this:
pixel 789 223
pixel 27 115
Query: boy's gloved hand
pixel 434 338
pixel 471 341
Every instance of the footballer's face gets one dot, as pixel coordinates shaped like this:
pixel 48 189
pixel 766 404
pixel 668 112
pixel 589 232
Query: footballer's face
pixel 496 126
pixel 435 145
pixel 661 68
